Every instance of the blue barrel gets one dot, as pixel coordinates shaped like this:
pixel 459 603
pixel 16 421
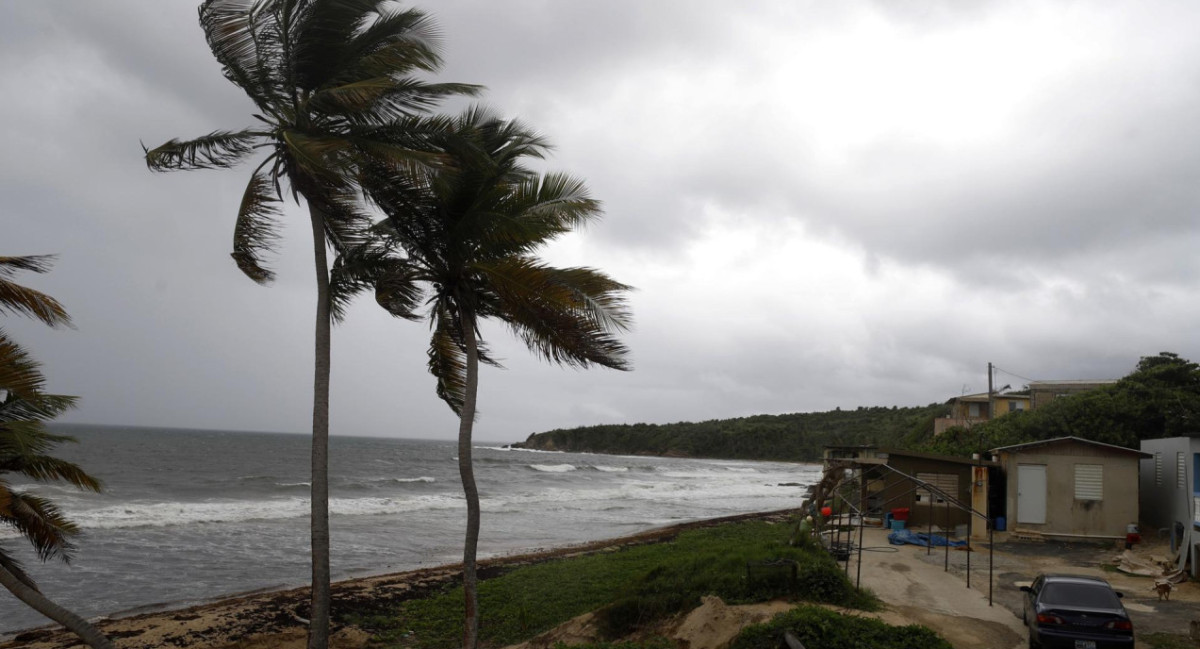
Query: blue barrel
pixel 1001 524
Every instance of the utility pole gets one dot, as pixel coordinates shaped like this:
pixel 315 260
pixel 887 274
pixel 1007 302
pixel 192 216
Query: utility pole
pixel 991 401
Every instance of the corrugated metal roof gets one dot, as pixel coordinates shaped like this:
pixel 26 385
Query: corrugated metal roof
pixel 1075 382
pixel 1070 439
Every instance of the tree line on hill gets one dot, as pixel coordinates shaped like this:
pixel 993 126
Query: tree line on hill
pixel 796 437
pixel 1160 398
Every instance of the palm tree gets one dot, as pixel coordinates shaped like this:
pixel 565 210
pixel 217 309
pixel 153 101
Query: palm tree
pixel 24 443
pixel 332 81
pixel 460 240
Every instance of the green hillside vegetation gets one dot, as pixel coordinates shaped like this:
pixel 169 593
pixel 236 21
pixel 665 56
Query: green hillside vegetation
pixel 797 437
pixel 1160 398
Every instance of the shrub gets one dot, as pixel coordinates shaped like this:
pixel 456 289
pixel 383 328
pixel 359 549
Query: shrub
pixel 819 628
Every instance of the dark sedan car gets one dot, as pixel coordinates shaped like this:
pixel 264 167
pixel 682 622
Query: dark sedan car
pixel 1075 612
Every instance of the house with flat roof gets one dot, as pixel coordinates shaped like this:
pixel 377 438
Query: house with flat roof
pixel 1043 392
pixel 971 409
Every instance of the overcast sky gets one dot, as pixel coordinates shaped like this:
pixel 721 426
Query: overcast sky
pixel 821 205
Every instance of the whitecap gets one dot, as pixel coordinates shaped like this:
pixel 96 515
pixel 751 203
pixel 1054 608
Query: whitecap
pixel 552 468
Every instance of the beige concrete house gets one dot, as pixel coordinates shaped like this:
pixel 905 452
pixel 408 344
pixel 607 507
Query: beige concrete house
pixel 971 409
pixel 1071 488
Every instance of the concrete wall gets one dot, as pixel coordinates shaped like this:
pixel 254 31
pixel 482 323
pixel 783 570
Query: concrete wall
pixel 1163 501
pixel 1107 517
pixel 919 514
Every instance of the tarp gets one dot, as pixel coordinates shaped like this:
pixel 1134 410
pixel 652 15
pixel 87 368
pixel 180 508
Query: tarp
pixel 907 536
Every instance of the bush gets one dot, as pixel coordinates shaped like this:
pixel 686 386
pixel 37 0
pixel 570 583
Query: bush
pixel 824 582
pixel 758 567
pixel 819 628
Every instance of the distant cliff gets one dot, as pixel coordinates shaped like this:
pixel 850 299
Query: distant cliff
pixel 795 437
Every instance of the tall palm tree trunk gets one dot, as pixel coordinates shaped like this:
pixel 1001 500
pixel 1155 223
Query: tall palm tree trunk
pixel 318 628
pixel 466 471
pixel 42 604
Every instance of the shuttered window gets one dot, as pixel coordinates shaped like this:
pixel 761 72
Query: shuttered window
pixel 946 482
pixel 1180 465
pixel 1158 468
pixel 1089 481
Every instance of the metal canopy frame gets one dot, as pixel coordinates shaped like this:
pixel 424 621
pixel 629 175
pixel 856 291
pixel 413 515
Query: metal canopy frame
pixel 859 508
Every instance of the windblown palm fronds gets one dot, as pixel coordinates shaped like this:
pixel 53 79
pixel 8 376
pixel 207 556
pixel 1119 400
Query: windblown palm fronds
pixel 459 246
pixel 338 90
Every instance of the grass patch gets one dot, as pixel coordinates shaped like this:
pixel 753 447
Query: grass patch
pixel 630 586
pixel 819 628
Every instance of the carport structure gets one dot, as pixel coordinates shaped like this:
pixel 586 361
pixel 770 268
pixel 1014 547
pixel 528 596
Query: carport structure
pixel 860 483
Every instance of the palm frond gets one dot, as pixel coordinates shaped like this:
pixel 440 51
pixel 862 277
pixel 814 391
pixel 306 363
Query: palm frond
pixel 318 159
pixel 373 267
pixel 16 410
pixel 447 360
pixel 557 203
pixel 48 469
pixel 564 315
pixel 13 566
pixel 384 99
pixel 20 374
pixel 20 300
pixel 321 32
pixel 256 231
pixel 10 266
pixel 217 150
pixel 243 38
pixel 42 523
pixel 395 42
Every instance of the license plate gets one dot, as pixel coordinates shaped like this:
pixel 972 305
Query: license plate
pixel 1085 644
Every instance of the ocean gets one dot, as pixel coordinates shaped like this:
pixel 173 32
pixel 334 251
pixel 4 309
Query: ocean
pixel 189 515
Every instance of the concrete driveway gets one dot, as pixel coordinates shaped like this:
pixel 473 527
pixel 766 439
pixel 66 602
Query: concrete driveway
pixel 918 588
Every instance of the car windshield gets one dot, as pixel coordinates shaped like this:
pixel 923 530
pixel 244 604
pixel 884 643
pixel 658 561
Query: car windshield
pixel 1081 595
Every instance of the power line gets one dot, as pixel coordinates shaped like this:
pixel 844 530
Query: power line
pixel 1024 378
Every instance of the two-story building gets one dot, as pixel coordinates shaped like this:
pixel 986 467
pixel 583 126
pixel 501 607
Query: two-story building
pixel 971 409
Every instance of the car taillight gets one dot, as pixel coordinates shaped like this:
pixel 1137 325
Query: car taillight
pixel 1120 625
pixel 1046 618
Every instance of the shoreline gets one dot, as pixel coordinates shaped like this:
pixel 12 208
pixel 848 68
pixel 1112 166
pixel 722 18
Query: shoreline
pixel 275 613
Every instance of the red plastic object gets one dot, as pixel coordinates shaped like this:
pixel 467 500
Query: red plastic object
pixel 900 513
pixel 826 511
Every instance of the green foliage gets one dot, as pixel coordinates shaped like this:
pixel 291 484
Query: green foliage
pixel 633 585
pixel 819 628
pixel 25 444
pixel 798 437
pixel 1160 398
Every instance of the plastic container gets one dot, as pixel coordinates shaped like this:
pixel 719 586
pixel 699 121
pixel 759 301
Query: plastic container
pixel 1001 524
pixel 896 525
pixel 887 521
pixel 900 513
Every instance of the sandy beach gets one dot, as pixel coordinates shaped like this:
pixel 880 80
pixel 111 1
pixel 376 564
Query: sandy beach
pixel 274 620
